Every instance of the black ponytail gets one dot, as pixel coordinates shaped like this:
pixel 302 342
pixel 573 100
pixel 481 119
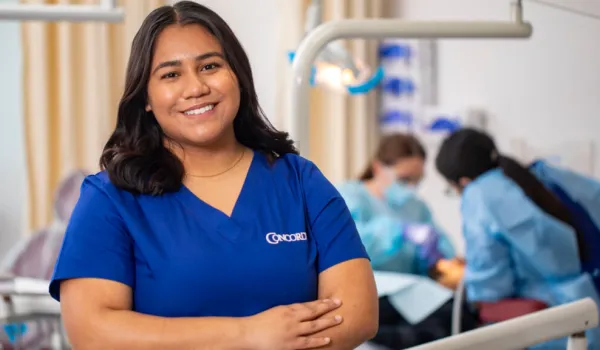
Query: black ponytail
pixel 541 196
pixel 469 153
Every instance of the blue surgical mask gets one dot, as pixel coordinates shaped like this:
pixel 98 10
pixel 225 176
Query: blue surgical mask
pixel 398 193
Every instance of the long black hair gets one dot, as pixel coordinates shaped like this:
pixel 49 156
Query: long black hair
pixel 135 156
pixel 394 147
pixel 468 153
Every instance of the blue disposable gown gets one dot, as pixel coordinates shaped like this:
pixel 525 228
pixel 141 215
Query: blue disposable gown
pixel 380 224
pixel 581 196
pixel 581 189
pixel 514 249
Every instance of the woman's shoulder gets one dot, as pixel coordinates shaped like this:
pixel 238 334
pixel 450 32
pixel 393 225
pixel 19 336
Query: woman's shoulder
pixel 502 201
pixel 100 181
pixel 305 173
pixel 290 163
pixel 98 187
pixel 491 186
pixel 293 161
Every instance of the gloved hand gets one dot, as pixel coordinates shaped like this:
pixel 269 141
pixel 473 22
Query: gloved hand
pixel 426 239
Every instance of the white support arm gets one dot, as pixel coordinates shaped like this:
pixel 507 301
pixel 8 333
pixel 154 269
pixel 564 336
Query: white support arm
pixel 105 12
pixel 569 320
pixel 316 40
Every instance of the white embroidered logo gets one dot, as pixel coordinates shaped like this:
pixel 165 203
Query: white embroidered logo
pixel 275 238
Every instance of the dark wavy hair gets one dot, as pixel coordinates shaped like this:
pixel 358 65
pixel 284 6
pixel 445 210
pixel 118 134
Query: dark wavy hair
pixel 135 156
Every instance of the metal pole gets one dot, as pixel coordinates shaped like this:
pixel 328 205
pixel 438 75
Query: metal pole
pixel 316 40
pixel 525 331
pixel 108 4
pixel 106 12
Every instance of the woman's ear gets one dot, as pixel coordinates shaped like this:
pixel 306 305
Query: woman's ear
pixel 148 108
pixel 463 182
pixel 376 166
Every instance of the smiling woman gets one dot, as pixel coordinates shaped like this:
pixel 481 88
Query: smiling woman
pixel 206 229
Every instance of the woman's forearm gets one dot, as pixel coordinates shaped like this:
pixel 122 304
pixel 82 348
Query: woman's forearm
pixel 113 329
pixel 356 329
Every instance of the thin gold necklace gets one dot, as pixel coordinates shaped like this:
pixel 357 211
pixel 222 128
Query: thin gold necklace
pixel 224 171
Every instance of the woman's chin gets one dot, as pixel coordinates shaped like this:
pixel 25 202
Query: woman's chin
pixel 208 138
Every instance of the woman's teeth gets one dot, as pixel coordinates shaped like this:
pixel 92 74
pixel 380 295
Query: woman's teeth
pixel 200 110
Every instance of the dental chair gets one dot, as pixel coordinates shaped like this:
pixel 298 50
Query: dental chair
pixel 489 313
pixel 495 312
pixel 29 317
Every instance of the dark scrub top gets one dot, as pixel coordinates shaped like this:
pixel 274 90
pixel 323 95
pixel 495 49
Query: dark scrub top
pixel 183 257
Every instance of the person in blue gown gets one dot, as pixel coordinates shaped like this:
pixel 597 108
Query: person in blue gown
pixel 205 228
pixel 581 196
pixel 520 239
pixel 407 248
pixel 390 216
pixel 581 189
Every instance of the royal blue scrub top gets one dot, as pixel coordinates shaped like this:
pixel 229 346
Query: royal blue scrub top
pixel 183 257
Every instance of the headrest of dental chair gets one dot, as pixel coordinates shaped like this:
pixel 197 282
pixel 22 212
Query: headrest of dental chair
pixel 507 309
pixel 492 312
pixel 36 255
pixel 67 194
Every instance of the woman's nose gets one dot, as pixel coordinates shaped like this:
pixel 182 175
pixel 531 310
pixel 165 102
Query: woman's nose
pixel 196 86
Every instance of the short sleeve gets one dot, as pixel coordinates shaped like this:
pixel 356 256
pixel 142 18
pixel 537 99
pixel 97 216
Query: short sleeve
pixel 331 223
pixel 96 243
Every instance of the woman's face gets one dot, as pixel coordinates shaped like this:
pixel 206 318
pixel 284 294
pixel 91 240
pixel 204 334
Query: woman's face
pixel 192 91
pixel 409 171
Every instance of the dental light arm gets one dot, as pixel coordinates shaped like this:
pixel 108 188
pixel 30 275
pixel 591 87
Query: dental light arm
pixel 320 37
pixel 334 53
pixel 105 11
pixel 314 15
pixel 569 320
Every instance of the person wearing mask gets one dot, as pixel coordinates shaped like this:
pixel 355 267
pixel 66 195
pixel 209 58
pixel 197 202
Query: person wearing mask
pixel 520 239
pixel 404 242
pixel 396 225
pixel 205 229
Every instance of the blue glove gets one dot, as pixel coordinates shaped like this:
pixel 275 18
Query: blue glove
pixel 426 239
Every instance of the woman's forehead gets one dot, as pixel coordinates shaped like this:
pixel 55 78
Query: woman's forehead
pixel 178 42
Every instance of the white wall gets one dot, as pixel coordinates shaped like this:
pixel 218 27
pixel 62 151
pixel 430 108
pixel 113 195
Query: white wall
pixel 545 89
pixel 255 23
pixel 13 180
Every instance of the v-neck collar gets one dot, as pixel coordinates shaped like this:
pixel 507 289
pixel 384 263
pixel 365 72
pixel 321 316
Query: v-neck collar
pixel 213 218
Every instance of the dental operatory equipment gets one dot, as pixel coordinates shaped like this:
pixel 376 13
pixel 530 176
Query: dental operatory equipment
pixel 568 320
pixel 320 37
pixel 105 11
pixel 29 317
pixel 539 326
pixel 334 66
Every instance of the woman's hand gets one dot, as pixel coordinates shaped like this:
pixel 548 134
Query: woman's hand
pixel 426 240
pixel 290 327
pixel 450 272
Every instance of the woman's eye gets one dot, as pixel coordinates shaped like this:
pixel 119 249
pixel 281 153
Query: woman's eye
pixel 169 75
pixel 210 66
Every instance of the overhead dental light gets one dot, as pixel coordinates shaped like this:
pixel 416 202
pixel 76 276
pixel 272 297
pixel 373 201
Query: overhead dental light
pixel 334 67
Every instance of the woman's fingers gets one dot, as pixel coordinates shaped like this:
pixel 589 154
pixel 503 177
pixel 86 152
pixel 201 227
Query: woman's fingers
pixel 311 343
pixel 315 309
pixel 315 326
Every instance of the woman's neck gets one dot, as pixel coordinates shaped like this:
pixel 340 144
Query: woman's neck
pixel 373 188
pixel 200 161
